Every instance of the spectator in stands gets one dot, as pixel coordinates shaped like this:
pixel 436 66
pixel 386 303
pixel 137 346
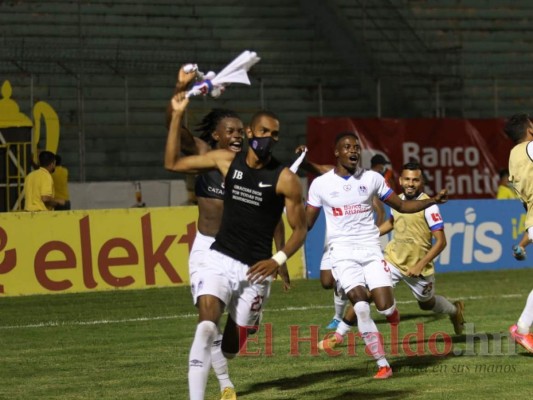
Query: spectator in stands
pixel 505 189
pixel 60 177
pixel 39 185
pixel 379 163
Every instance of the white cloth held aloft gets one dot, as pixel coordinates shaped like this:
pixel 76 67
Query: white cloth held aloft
pixel 296 164
pixel 234 72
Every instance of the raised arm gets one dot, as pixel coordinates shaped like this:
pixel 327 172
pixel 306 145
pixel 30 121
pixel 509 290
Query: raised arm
pixel 216 159
pixel 190 145
pixel 173 146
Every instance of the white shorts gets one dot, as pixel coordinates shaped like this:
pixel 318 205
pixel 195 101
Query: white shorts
pixel 359 266
pixel 325 263
pixel 224 277
pixel 530 233
pixel 423 288
pixel 200 248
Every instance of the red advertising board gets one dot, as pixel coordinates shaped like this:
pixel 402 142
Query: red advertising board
pixel 462 155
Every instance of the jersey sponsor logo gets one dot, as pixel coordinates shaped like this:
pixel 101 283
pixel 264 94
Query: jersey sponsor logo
pixel 336 211
pixel 363 190
pixel 215 190
pixel 237 174
pixel 347 188
pixel 334 194
pixel 436 217
pixel 264 185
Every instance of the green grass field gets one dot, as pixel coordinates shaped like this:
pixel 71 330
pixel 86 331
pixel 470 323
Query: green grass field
pixel 135 345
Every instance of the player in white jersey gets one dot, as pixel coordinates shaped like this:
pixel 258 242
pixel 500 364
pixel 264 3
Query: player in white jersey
pixel 345 193
pixel 520 129
pixel 326 277
pixel 410 253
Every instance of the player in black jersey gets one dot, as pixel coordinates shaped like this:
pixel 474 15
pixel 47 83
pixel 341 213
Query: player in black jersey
pixel 219 129
pixel 239 269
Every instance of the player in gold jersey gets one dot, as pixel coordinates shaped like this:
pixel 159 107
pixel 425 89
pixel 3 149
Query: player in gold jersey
pixel 520 129
pixel 418 239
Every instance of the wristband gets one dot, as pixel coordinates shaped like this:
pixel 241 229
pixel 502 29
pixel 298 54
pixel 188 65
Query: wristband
pixel 280 257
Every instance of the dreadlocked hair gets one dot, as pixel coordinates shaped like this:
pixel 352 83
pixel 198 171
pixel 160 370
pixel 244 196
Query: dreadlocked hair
pixel 209 123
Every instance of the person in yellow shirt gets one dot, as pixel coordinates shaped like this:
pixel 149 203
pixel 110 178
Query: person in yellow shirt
pixel 520 130
pixel 418 239
pixel 60 177
pixel 39 185
pixel 505 189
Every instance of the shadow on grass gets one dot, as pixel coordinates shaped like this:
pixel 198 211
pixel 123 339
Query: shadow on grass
pixel 338 377
pixel 423 316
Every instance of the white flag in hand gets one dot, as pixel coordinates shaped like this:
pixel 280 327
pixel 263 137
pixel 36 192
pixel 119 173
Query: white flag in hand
pixel 234 72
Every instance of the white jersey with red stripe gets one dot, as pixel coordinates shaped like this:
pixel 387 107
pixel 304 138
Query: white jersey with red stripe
pixel 347 204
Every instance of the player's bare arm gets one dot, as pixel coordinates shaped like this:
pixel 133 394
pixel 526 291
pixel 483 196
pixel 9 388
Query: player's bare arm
pixel 386 227
pixel 288 186
pixel 413 206
pixel 438 245
pixel 311 215
pixel 218 159
pixel 379 209
pixel 279 243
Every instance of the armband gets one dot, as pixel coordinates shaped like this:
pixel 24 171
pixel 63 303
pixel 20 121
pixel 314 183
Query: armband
pixel 280 257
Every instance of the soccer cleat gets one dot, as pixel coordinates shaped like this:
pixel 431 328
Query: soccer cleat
pixel 458 319
pixel 331 341
pixel 333 324
pixel 229 394
pixel 394 318
pixel 519 252
pixel 383 373
pixel 526 341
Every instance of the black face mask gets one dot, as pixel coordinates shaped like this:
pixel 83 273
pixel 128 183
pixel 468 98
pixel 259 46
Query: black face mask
pixel 262 146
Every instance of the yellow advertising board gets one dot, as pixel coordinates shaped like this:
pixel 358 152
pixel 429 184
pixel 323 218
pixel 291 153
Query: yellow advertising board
pixel 79 251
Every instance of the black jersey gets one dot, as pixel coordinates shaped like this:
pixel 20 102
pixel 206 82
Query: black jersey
pixel 210 184
pixel 252 209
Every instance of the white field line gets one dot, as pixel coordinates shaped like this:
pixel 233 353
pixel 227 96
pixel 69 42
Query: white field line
pixel 189 315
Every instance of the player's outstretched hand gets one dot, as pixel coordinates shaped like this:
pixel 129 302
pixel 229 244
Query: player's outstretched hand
pixel 262 270
pixel 441 197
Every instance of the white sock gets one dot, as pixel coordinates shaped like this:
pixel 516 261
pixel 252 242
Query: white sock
pixel 343 328
pixel 388 311
pixel 200 359
pixel 443 306
pixel 220 363
pixel 526 319
pixel 339 306
pixel 369 332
